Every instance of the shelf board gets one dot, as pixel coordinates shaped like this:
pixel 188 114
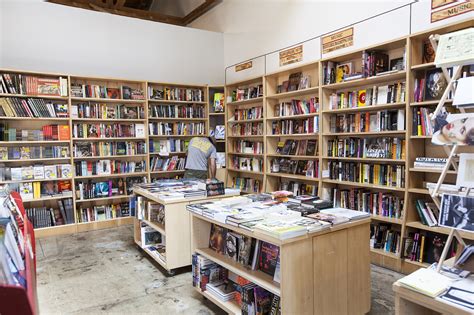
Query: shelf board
pixel 245 121
pixel 249 101
pixel 384 253
pixel 166 172
pixel 175 136
pixel 245 172
pixel 294 116
pixel 35 160
pixel 230 307
pixel 416 263
pixel 423 66
pixel 110 119
pixel 102 199
pixel 131 174
pixel 217 114
pixel 364 159
pixel 370 133
pixel 46 198
pixel 297 135
pixel 168 153
pixel 386 219
pixel 245 154
pixel 155 258
pixel 109 139
pixel 157 226
pixel 365 185
pixel 439 229
pixel 293 93
pixel 52 97
pixel 106 100
pixel 430 170
pixel 400 75
pixel 220 141
pixel 34 142
pixel 428 103
pixel 423 191
pixel 176 102
pixel 108 157
pixel 365 108
pixel 256 276
pixel 33 180
pixel 36 118
pixel 294 156
pixel 55 227
pixel 248 136
pixel 175 119
pixel 293 176
pixel 421 137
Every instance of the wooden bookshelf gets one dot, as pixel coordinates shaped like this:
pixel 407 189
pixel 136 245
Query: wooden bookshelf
pixel 218 118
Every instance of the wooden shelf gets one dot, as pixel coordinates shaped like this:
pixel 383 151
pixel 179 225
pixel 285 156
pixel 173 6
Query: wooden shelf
pixel 256 276
pixel 105 100
pixel 311 90
pixel 428 103
pixel 102 199
pixel 245 121
pixel 166 172
pixel 249 101
pixel 423 191
pixel 245 172
pixel 371 133
pixel 108 157
pixel 155 257
pixel 157 226
pixel 64 98
pixel 294 116
pixel 175 136
pixel 33 180
pixel 423 66
pixel 131 174
pixel 385 253
pixel 110 119
pixel 246 154
pixel 249 136
pixel 341 182
pixel 293 176
pixel 175 119
pixel 217 114
pixel 230 307
pixel 416 263
pixel 298 135
pixel 36 160
pixel 33 142
pixel 430 170
pixel 381 160
pixel 400 75
pixel 386 219
pixel 169 153
pixel 275 155
pixel 176 102
pixel 36 118
pixel 439 229
pixel 110 139
pixel 421 137
pixel 366 108
pixel 46 198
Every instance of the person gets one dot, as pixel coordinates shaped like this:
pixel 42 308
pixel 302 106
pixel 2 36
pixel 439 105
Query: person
pixel 455 129
pixel 201 158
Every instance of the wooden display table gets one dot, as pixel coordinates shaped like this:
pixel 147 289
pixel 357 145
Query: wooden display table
pixel 176 228
pixel 326 272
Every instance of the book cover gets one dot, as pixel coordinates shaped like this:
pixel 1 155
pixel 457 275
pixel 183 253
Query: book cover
pixel 435 84
pixel 268 257
pixel 231 246
pixel 245 250
pixel 457 211
pixel 361 97
pixel 217 238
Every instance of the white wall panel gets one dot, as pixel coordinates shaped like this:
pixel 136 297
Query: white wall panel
pixel 311 53
pixel 257 70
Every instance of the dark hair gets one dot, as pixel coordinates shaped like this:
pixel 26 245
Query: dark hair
pixel 470 137
pixel 212 139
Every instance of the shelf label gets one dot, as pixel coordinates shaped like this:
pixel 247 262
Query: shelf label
pixel 243 66
pixel 460 7
pixel 440 3
pixel 292 55
pixel 339 40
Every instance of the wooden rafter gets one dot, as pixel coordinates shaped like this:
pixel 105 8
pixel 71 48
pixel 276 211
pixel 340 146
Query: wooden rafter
pixel 200 10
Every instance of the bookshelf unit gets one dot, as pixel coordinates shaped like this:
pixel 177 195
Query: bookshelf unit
pixel 292 97
pixel 217 118
pixel 176 113
pixel 245 128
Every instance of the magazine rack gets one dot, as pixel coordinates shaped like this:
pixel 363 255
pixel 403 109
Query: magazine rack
pixel 20 300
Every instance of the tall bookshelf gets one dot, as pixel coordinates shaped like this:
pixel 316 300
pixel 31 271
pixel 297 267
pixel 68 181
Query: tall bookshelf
pixel 217 118
pixel 292 97
pixel 246 98
pixel 176 113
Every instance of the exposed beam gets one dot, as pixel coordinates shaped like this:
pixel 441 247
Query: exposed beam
pixel 200 10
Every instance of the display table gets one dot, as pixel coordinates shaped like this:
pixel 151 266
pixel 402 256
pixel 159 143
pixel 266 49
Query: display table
pixel 326 272
pixel 176 228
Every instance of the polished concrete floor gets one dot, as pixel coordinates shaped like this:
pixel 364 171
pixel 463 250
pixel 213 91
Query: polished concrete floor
pixel 103 272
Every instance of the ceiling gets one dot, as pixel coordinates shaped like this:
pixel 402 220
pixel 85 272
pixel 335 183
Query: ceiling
pixel 177 12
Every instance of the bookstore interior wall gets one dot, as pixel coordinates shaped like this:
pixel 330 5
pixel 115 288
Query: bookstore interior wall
pixel 93 43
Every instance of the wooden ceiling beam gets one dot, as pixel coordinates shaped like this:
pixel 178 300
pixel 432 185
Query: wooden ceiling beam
pixel 200 10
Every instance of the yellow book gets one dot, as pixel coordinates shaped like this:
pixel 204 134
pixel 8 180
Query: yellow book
pixel 361 98
pixel 422 247
pixel 426 281
pixel 36 190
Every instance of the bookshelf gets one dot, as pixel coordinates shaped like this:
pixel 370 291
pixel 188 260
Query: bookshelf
pixel 217 118
pixel 245 134
pixel 176 113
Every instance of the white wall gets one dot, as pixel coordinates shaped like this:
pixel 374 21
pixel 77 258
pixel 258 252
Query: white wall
pixel 256 27
pixel 40 36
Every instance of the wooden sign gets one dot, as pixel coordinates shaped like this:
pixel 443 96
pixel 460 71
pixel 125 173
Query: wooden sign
pixel 440 3
pixel 454 10
pixel 243 66
pixel 339 40
pixel 292 55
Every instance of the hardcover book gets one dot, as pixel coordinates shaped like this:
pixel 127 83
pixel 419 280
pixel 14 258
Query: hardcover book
pixel 268 258
pixel 217 238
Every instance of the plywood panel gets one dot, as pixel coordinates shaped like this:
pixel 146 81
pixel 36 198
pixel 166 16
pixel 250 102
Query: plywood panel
pixel 178 242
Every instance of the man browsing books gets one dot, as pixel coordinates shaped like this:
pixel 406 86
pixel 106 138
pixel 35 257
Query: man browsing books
pixel 201 158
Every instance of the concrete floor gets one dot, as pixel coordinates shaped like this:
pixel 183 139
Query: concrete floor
pixel 103 272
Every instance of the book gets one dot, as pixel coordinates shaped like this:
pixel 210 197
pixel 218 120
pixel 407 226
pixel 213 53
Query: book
pixel 268 257
pixel 426 281
pixel 457 211
pixel 217 240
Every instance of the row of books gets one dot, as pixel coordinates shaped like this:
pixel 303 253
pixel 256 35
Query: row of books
pixel 247 184
pixel 12 83
pixel 167 164
pixel 364 173
pixel 297 147
pixel 33 152
pixel 429 162
pixel 107 111
pixel 247 129
pixel 298 188
pixel 308 168
pixel 166 146
pixel 103 189
pixel 376 203
pixel 108 167
pixel 155 213
pixel 383 237
pixel 248 113
pixel 246 93
pixel 246 164
pixel 37 171
pixel 245 146
pixel 43 189
pixel 386 120
pixel 104 149
pixel 226 286
pixel 104 212
pixel 47 133
pixel 297 107
pixel 176 94
pixel 177 111
pixel 428 212
pixel 384 148
pixel 108 130
pixel 382 94
pixel 422 124
pixel 296 81
pixel 431 85
pixel 426 247
pixel 42 217
pixel 218 104
pixel 32 107
pixel 176 128
pixel 102 91
pixel 296 126
pixel 218 132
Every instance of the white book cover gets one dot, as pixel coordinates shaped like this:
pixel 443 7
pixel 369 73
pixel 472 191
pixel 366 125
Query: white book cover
pixel 401 120
pixel 16 173
pixel 382 93
pixel 39 172
pixel 66 171
pixel 50 172
pixel 140 130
